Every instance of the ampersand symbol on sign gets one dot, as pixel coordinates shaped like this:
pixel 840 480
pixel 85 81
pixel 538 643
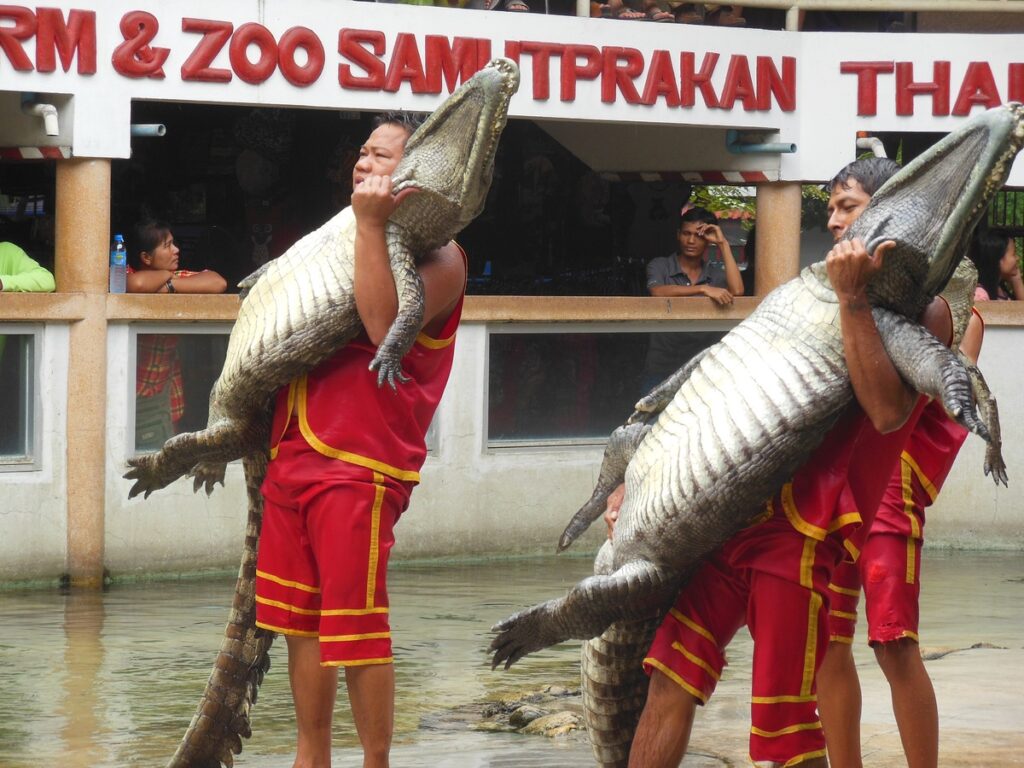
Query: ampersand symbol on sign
pixel 134 57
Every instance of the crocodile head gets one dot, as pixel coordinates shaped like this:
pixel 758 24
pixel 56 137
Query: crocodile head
pixel 933 204
pixel 450 158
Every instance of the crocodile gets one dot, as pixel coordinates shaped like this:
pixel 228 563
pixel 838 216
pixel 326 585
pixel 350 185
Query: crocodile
pixel 297 310
pixel 721 436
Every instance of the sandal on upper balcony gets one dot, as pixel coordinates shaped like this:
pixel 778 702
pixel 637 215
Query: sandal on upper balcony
pixel 654 13
pixel 688 13
pixel 617 10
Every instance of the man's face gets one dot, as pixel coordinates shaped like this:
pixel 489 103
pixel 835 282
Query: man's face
pixel 380 154
pixel 691 242
pixel 845 205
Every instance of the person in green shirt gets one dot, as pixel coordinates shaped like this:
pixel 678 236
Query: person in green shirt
pixel 20 272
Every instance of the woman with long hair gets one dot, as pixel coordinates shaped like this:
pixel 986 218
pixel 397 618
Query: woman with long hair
pixel 994 253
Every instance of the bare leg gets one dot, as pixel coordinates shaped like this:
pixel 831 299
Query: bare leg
pixel 913 701
pixel 665 724
pixel 314 689
pixel 839 704
pixel 371 691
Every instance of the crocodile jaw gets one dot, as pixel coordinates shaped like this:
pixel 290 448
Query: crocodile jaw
pixel 451 156
pixel 933 204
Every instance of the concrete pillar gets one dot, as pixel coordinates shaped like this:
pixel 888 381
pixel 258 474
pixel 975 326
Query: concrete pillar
pixel 777 242
pixel 82 245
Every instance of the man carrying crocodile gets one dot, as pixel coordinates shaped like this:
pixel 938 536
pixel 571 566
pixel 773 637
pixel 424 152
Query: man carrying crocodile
pixel 890 552
pixel 773 576
pixel 345 455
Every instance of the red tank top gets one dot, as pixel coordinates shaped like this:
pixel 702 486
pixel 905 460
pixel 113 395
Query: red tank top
pixel 341 413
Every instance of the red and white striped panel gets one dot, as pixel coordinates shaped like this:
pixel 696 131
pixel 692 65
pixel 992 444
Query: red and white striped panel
pixel 695 177
pixel 35 153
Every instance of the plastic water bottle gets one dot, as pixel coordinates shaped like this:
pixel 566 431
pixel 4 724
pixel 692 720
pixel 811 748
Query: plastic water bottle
pixel 118 266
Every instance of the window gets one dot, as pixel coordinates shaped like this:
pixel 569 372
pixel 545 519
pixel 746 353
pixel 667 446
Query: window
pixel 19 405
pixel 565 388
pixel 174 375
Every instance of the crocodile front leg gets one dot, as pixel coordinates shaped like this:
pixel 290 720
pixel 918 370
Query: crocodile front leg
pixel 402 333
pixel 994 464
pixel 929 367
pixel 638 590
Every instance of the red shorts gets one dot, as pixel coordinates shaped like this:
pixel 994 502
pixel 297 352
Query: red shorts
pixel 891 571
pixel 843 599
pixel 890 568
pixel 786 618
pixel 322 563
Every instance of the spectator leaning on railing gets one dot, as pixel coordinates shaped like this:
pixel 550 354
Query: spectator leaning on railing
pixel 20 272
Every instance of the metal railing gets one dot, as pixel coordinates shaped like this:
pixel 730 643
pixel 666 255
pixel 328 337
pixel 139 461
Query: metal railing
pixel 793 9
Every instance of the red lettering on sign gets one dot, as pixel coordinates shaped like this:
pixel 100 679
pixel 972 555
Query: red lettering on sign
pixel 978 87
pixel 253 72
pixel 661 81
pixel 75 36
pixel 1015 83
pixel 455 61
pixel 771 83
pixel 512 50
pixel 907 89
pixel 690 80
pixel 215 35
pixel 572 70
pixel 867 82
pixel 350 45
pixel 306 39
pixel 621 67
pixel 540 54
pixel 10 36
pixel 406 64
pixel 738 85
pixel 134 57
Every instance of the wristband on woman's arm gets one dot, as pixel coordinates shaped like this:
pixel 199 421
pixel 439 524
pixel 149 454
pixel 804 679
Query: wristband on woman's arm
pixel 170 285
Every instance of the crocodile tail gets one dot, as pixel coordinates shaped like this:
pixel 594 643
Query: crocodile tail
pixel 614 688
pixel 222 717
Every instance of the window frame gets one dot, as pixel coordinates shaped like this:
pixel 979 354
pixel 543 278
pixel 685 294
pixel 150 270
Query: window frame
pixel 32 460
pixel 205 328
pixel 539 444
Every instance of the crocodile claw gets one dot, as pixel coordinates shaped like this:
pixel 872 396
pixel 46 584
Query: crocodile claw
pixel 523 633
pixel 142 472
pixel 388 370
pixel 206 475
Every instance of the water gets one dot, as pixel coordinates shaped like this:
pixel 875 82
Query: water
pixel 112 679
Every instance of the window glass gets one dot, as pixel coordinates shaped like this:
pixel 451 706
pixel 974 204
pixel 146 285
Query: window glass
pixel 174 376
pixel 17 411
pixel 576 387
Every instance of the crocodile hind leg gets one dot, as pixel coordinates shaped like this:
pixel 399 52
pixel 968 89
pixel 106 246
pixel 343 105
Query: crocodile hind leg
pixel 636 591
pixel 224 440
pixel 222 717
pixel 994 464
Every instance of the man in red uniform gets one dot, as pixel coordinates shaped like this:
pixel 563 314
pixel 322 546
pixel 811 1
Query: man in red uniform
pixel 889 564
pixel 345 455
pixel 773 576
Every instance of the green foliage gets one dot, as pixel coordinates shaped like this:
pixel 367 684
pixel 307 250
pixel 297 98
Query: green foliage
pixel 723 198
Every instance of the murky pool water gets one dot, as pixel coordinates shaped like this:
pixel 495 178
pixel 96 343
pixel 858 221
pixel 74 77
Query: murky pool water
pixel 112 679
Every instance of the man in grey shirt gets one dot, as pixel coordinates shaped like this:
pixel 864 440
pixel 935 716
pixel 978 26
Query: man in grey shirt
pixel 689 272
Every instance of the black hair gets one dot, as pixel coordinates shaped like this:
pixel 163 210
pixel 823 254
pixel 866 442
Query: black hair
pixel 703 215
pixel 146 236
pixel 986 251
pixel 408 120
pixel 870 172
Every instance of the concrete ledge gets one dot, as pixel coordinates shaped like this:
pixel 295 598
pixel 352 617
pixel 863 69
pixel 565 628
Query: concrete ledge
pixel 57 307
